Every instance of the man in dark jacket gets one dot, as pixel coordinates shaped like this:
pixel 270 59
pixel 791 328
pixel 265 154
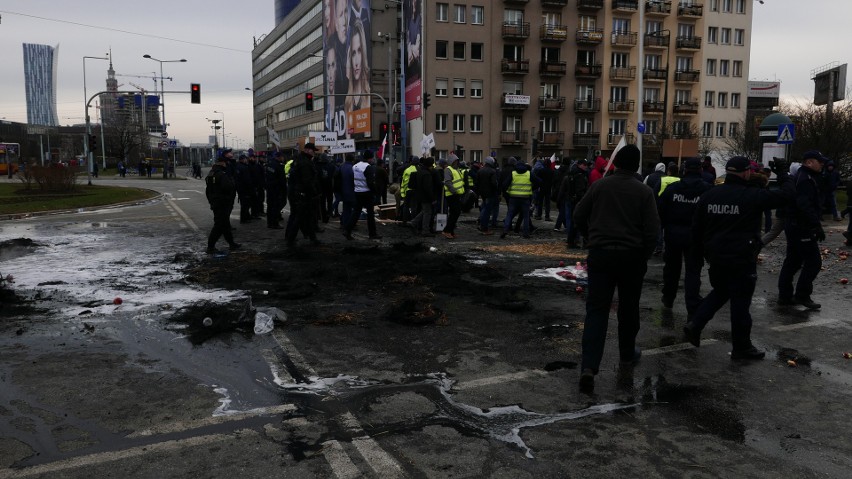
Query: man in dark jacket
pixel 571 191
pixel 347 190
pixel 325 176
pixel 487 187
pixel 545 183
pixel 677 207
pixel 245 188
pixel 276 190
pixel 257 170
pixel 618 215
pixel 803 230
pixel 426 190
pixel 519 189
pixel 726 228
pixel 364 179
pixel 831 180
pixel 220 194
pixel 302 189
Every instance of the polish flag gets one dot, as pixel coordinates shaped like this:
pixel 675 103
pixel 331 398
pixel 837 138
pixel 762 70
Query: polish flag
pixel 382 148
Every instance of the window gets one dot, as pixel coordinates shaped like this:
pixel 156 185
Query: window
pixel 584 126
pixel 458 123
pixel 709 98
pixel 712 34
pixel 616 127
pixel 513 52
pixel 683 64
pixel 714 5
pixel 738 68
pixel 726 6
pixel 685 30
pixel 549 90
pixel 459 12
pixel 720 129
pixel 723 100
pixel 511 123
pixel 711 67
pixel 651 128
pixel 653 26
pixel 458 88
pixel 735 100
pixel 618 93
pixel 739 36
pixel 741 6
pixel 654 62
pixel 440 87
pixel 441 15
pixel 733 130
pixel 726 36
pixel 476 155
pixel 441 122
pixel 680 128
pixel 652 95
pixel 587 23
pixel 683 97
pixel 477 15
pixel 514 17
pixel 585 92
pixel 476 88
pixel 620 25
pixel 585 57
pixel 458 50
pixel 441 49
pixel 620 60
pixel 476 51
pixel 723 67
pixel 549 18
pixel 548 124
pixel 476 123
pixel 513 87
pixel 550 54
pixel 707 129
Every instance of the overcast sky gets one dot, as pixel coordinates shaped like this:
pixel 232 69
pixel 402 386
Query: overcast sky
pixel 789 39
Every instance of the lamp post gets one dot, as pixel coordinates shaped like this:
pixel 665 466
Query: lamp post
pixel 215 133
pixel 223 126
pixel 163 101
pixel 88 153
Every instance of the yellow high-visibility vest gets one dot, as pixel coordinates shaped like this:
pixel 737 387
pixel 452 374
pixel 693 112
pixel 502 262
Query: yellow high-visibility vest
pixel 521 184
pixel 458 182
pixel 406 179
pixel 665 182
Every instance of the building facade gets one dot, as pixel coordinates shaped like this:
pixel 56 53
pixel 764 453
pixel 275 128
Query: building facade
pixel 531 78
pixel 40 63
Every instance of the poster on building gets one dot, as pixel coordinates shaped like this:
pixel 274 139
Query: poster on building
pixel 347 58
pixel 413 17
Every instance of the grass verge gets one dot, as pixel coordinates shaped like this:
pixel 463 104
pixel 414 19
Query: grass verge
pixel 14 199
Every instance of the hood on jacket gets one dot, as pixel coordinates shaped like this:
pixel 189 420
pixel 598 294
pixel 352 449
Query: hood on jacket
pixel 521 167
pixel 600 163
pixel 661 167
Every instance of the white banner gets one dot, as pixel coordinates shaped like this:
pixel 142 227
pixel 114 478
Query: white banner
pixel 517 99
pixel 427 143
pixel 273 137
pixel 341 146
pixel 324 138
pixel 762 89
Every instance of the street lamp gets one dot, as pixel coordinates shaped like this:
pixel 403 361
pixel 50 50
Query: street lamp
pixel 89 156
pixel 163 100
pixel 215 133
pixel 223 126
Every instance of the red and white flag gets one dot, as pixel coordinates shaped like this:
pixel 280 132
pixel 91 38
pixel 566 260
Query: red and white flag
pixel 382 148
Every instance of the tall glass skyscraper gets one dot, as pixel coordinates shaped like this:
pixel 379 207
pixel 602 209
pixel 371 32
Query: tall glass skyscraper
pixel 40 82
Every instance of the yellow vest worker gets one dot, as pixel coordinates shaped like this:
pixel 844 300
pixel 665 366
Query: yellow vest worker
pixel 521 185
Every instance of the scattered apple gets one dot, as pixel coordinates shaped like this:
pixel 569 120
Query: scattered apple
pixel 117 300
pixel 791 363
pixel 847 355
pixel 561 264
pixel 844 280
pixel 579 289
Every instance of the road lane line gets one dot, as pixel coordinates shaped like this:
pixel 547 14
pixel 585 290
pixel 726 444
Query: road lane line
pixel 341 465
pixel 675 347
pixel 383 463
pixel 290 350
pixel 184 215
pixel 490 381
pixel 807 324
pixel 112 456
pixel 183 426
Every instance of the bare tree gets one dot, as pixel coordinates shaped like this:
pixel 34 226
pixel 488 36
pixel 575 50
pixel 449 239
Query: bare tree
pixel 815 130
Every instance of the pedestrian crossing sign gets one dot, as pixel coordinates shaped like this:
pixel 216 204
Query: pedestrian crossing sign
pixel 786 133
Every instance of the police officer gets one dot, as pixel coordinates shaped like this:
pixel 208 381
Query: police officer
pixel 803 231
pixel 302 188
pixel 677 207
pixel 256 170
pixel 245 188
pixel 276 191
pixel 726 227
pixel 220 195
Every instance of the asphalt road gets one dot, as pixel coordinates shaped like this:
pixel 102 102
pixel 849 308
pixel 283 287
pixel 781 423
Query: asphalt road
pixel 90 388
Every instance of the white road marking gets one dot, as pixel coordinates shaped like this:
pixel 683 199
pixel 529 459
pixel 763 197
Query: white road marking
pixel 490 381
pixel 383 463
pixel 184 215
pixel 341 465
pixel 675 347
pixel 182 426
pixel 292 353
pixel 807 324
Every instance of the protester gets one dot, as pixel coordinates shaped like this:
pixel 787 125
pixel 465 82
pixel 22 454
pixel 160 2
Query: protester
pixel 426 189
pixel 220 193
pixel 453 191
pixel 489 188
pixel 276 191
pixel 302 189
pixel 618 215
pixel 518 189
pixel 364 177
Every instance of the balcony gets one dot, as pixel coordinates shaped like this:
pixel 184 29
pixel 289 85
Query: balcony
pixel 587 71
pixel 590 37
pixel 553 33
pixel 514 102
pixel 551 103
pixel 655 74
pixel 516 30
pixel 653 107
pixel 687 76
pixel 551 138
pixel 517 1
pixel 625 5
pixel 554 3
pixel 589 105
pixel 624 39
pixel 625 106
pixel 658 8
pixel 622 73
pixel 688 43
pixel 685 108
pixel 590 4
pixel 657 40
pixel 652 141
pixel 514 67
pixel 614 138
pixel 518 137
pixel 695 11
pixel 551 68
pixel 586 139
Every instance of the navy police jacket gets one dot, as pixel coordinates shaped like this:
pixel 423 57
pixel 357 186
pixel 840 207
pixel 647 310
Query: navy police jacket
pixel 726 225
pixel 677 203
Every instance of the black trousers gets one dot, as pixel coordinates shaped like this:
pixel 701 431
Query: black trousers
pixel 802 253
pixel 735 283
pixel 302 218
pixel 363 200
pixel 221 226
pixel 679 250
pixel 454 208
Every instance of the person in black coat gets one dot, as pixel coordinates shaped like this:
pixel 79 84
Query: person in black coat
pixel 220 193
pixel 427 190
pixel 276 190
pixel 302 189
pixel 245 188
pixel 256 171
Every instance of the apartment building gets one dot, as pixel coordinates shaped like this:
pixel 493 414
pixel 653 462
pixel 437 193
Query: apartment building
pixel 532 77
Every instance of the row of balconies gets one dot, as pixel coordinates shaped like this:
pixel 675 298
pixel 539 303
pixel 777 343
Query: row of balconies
pixel 652 7
pixel 557 138
pixel 593 105
pixel 594 71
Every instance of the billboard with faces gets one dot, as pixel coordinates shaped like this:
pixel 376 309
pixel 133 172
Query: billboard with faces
pixel 413 18
pixel 347 57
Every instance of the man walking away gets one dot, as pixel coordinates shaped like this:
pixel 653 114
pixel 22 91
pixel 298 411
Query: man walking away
pixel 726 228
pixel 804 232
pixel 488 187
pixel 220 193
pixel 365 191
pixel 453 191
pixel 426 191
pixel 276 191
pixel 519 195
pixel 303 189
pixel 618 215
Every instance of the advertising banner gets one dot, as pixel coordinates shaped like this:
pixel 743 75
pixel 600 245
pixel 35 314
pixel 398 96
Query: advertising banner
pixel 412 15
pixel 347 57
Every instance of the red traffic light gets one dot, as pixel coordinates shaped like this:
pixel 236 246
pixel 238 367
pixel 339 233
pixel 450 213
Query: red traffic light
pixel 195 92
pixel 309 101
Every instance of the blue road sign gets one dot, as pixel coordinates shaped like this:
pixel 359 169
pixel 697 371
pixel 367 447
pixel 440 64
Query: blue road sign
pixel 641 127
pixel 786 134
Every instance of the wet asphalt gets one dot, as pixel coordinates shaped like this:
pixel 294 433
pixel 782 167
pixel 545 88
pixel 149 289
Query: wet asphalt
pixel 91 388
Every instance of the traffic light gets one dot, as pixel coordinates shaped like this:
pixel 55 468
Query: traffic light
pixel 93 142
pixel 395 133
pixel 535 146
pixel 309 101
pixel 426 100
pixel 195 92
pixel 460 151
pixel 383 129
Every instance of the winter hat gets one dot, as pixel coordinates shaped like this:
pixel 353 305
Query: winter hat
pixel 628 158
